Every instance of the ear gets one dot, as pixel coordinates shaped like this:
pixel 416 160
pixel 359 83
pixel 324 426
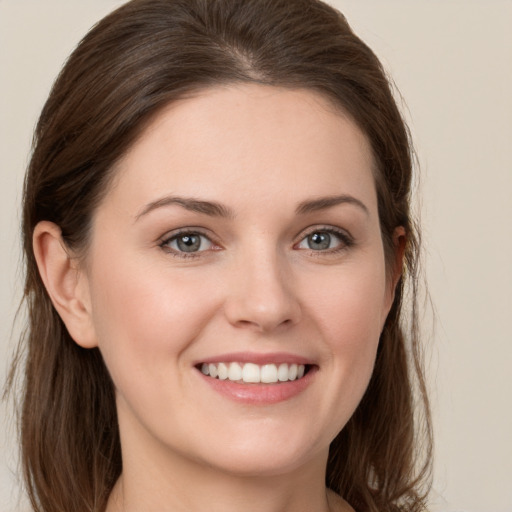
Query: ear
pixel 399 244
pixel 65 282
pixel 396 264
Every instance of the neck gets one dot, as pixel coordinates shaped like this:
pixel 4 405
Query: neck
pixel 187 486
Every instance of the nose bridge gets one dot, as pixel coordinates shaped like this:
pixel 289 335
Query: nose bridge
pixel 262 295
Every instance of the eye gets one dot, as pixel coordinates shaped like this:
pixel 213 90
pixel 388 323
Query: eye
pixel 188 242
pixel 324 240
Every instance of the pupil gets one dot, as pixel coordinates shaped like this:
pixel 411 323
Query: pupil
pixel 189 243
pixel 319 241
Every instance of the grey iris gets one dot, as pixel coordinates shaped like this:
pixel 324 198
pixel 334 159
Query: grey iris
pixel 319 241
pixel 189 243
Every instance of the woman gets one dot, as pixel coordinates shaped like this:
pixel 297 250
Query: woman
pixel 217 236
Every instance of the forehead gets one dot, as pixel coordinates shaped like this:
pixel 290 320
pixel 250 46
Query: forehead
pixel 252 140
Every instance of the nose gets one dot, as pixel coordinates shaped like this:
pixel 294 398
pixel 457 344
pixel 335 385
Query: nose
pixel 262 295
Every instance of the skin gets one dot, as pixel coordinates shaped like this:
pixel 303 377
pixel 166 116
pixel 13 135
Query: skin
pixel 255 286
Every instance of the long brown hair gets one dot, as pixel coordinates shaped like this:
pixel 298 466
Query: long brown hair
pixel 128 67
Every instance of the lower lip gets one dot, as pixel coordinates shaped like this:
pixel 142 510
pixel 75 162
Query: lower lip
pixel 260 394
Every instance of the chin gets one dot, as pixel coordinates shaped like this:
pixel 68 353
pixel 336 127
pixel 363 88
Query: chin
pixel 261 463
pixel 265 454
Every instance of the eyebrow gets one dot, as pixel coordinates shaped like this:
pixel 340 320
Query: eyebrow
pixel 323 203
pixel 215 209
pixel 211 208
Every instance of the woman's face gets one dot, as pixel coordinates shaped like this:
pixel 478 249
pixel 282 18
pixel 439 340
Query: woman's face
pixel 240 237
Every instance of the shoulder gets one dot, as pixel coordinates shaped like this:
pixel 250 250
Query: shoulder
pixel 337 503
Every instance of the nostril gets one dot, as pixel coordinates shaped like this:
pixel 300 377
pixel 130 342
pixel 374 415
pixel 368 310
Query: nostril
pixel 262 301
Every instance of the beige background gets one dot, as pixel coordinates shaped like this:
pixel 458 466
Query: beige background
pixel 452 61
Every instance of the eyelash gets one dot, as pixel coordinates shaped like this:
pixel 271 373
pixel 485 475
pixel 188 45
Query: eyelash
pixel 164 244
pixel 346 241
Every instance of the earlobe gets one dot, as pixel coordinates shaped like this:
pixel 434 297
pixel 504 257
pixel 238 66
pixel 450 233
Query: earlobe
pixel 65 283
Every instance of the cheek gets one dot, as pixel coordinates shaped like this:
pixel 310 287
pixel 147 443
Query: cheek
pixel 143 315
pixel 349 313
pixel 352 306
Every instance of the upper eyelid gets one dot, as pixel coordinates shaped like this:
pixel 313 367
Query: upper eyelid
pixel 324 227
pixel 170 235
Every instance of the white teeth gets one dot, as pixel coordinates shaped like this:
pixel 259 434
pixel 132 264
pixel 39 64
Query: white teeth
pixel 222 371
pixel 253 373
pixel 282 372
pixel 212 370
pixel 269 373
pixel 235 372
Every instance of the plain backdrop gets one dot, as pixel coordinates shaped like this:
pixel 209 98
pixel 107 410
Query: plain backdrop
pixel 452 62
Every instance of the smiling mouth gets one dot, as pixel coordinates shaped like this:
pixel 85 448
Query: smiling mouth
pixel 251 373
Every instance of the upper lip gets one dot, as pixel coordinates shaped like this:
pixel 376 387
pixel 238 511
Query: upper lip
pixel 257 358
